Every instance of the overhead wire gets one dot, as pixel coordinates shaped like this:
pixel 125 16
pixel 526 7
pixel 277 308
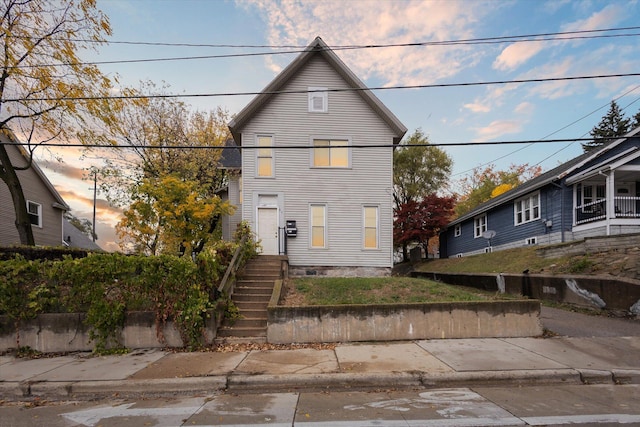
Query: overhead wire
pixel 350 89
pixel 308 146
pixel 552 36
pixel 555 132
pixel 556 36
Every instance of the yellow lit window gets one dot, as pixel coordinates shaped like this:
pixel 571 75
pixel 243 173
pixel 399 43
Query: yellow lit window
pixel 318 226
pixel 265 156
pixel 371 227
pixel 330 153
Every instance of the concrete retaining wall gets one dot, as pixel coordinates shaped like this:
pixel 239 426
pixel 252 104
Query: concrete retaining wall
pixel 64 332
pixel 590 291
pixel 591 245
pixel 391 322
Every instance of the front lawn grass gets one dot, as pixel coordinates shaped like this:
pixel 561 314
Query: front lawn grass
pixel 381 290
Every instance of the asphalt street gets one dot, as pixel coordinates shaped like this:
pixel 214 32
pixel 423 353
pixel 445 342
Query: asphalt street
pixel 576 324
pixel 479 406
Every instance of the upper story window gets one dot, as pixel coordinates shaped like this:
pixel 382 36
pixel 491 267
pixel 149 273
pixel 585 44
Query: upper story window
pixel 370 224
pixel 35 213
pixel 330 153
pixel 264 158
pixel 457 230
pixel 479 225
pixel 527 209
pixel 318 100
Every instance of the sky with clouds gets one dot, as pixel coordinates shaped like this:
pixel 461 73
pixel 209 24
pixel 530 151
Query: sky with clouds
pixel 451 114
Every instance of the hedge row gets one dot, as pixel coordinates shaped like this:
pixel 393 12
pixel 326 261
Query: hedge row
pixel 106 285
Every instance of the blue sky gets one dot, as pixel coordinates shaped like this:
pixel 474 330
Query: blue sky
pixel 528 111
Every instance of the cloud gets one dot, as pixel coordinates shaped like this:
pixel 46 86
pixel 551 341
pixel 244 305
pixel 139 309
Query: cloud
pixel 608 16
pixel 478 107
pixel 524 108
pixel 498 128
pixel 63 169
pixel 379 22
pixel 517 54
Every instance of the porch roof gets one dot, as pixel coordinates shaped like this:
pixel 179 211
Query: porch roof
pixel 540 181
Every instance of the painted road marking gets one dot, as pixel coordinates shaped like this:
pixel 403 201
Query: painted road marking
pixel 91 417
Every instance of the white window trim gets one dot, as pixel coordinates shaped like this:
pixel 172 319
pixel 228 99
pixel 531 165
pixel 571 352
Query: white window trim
pixel 377 247
pixel 273 156
pixel 457 230
pixel 39 214
pixel 477 231
pixel 316 93
pixel 329 138
pixel 532 217
pixel 324 206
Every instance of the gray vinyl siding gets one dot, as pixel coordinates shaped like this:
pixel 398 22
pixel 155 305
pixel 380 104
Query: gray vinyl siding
pixel 35 190
pixel 234 199
pixel 344 191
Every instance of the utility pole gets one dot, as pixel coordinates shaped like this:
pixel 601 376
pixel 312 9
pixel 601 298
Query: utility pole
pixel 95 190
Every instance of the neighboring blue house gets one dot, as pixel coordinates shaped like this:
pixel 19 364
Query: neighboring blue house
pixel 595 194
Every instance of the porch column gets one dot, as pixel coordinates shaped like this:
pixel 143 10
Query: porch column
pixel 611 203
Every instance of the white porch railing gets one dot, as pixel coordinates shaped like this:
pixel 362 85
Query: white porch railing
pixel 625 207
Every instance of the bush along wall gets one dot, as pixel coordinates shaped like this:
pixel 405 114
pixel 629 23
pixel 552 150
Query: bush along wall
pixel 107 285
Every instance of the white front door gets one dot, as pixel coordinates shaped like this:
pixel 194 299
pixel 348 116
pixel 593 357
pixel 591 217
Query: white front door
pixel 268 230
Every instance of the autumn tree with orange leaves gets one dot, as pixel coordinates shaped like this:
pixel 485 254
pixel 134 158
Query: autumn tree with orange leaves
pixel 485 184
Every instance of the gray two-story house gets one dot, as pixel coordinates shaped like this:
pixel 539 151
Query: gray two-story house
pixel 45 206
pixel 594 194
pixel 316 177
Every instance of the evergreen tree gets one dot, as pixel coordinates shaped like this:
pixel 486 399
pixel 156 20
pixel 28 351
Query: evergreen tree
pixel 613 124
pixel 636 121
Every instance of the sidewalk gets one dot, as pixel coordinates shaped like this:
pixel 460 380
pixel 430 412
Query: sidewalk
pixel 397 365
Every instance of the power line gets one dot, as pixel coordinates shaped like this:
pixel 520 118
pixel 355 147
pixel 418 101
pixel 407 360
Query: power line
pixel 307 147
pixel 352 89
pixel 553 133
pixel 500 39
pixel 558 36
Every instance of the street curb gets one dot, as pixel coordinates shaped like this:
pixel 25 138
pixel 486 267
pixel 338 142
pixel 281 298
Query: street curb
pixel 328 380
pixel 166 387
pixel 626 376
pixel 592 376
pixel 150 387
pixel 515 377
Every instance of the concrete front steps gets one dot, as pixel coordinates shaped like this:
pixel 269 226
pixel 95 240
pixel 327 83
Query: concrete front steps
pixel 251 296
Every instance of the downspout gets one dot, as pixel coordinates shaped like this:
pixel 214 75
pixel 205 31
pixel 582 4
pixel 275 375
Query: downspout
pixel 560 187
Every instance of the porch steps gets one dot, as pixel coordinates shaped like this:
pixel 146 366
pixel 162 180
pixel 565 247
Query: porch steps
pixel 251 296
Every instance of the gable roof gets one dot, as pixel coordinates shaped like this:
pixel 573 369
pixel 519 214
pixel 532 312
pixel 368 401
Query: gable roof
pixel 76 238
pixel 317 47
pixel 7 133
pixel 548 177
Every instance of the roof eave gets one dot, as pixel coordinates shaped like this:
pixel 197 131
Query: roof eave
pixel 60 203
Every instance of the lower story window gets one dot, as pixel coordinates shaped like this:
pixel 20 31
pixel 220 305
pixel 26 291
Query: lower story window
pixel 35 213
pixel 318 221
pixel 370 227
pixel 480 225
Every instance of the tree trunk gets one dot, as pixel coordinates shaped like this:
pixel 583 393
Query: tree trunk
pixel 10 177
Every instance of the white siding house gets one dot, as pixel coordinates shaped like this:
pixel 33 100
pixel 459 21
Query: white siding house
pixel 317 149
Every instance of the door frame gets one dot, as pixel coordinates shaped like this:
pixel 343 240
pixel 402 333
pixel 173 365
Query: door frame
pixel 277 212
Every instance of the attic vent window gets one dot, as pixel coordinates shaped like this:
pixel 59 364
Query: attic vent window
pixel 318 100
